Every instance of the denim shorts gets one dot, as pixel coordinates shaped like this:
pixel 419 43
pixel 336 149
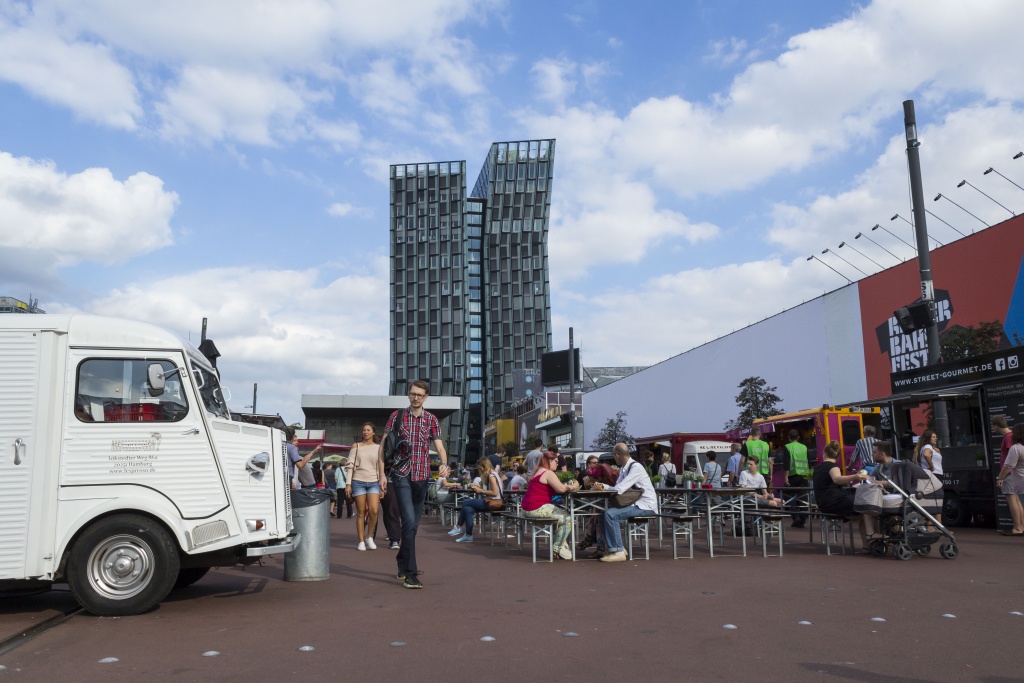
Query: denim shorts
pixel 361 488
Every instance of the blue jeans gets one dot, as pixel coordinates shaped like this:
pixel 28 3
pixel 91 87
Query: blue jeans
pixel 612 532
pixel 468 512
pixel 410 495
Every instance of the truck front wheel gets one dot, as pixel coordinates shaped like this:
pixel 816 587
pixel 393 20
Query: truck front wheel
pixel 121 565
pixel 953 513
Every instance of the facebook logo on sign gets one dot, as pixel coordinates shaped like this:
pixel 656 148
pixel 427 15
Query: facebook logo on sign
pixel 1000 364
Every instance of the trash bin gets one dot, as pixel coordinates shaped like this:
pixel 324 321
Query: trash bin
pixel 311 516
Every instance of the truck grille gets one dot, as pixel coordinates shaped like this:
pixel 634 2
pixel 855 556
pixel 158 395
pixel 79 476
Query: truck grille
pixel 287 487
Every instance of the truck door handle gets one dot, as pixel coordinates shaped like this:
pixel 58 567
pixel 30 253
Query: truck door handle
pixel 19 451
pixel 193 431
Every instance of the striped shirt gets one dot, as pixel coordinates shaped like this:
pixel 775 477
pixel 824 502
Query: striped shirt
pixel 862 454
pixel 418 432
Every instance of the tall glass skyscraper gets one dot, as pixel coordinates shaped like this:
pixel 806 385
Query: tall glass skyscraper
pixel 470 299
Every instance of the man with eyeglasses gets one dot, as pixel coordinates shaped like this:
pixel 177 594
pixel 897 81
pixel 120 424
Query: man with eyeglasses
pixel 410 474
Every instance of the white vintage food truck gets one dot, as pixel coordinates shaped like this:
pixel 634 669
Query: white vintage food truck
pixel 121 471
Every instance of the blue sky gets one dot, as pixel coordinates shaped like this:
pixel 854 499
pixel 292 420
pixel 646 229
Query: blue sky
pixel 171 161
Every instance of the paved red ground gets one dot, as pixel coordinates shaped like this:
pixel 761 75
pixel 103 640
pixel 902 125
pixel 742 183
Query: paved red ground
pixel 659 620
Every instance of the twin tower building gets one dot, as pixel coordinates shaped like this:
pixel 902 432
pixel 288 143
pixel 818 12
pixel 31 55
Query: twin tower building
pixel 470 299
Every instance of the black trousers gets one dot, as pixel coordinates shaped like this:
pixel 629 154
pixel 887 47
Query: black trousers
pixel 392 515
pixel 799 481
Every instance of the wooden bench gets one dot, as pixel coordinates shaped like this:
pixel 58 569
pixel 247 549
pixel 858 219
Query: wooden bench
pixel 769 521
pixel 831 526
pixel 682 525
pixel 540 527
pixel 638 528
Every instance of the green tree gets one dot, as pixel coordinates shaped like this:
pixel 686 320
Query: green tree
pixel 755 401
pixel 958 343
pixel 511 449
pixel 613 432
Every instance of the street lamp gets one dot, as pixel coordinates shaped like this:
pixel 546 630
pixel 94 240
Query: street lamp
pixel 844 244
pixel 934 216
pixel 992 170
pixel 964 182
pixel 877 226
pixel 912 228
pixel 828 251
pixel 860 234
pixel 942 196
pixel 812 256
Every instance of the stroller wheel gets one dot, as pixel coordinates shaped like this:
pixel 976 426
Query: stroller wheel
pixel 923 550
pixel 877 548
pixel 902 551
pixel 948 551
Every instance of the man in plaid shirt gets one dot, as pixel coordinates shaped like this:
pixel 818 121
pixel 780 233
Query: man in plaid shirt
pixel 410 474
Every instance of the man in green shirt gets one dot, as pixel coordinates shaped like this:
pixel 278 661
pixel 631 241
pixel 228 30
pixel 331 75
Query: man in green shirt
pixel 755 446
pixel 796 469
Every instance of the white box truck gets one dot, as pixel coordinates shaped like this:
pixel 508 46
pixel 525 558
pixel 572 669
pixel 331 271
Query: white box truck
pixel 121 471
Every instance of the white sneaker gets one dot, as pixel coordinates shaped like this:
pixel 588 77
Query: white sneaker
pixel 361 546
pixel 370 544
pixel 464 539
pixel 614 557
pixel 455 531
pixel 565 553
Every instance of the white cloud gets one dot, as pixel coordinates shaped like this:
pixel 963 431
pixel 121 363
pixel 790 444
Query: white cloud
pixel 960 146
pixel 232 71
pixel 826 94
pixel 681 310
pixel 88 216
pixel 343 209
pixel 554 79
pixel 282 329
pixel 211 104
pixel 726 52
pixel 82 76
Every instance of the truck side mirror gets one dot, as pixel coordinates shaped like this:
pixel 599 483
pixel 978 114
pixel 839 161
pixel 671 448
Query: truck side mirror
pixel 155 375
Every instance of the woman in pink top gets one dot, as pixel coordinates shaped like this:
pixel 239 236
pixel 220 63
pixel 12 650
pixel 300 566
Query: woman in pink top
pixel 543 486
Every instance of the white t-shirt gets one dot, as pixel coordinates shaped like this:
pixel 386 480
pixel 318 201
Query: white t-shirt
pixel 752 481
pixel 518 483
pixel 936 460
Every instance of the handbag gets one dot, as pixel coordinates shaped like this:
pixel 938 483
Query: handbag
pixel 393 448
pixel 627 497
pixel 868 499
pixel 495 504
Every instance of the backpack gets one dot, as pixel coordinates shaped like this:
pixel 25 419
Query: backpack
pixel 393 447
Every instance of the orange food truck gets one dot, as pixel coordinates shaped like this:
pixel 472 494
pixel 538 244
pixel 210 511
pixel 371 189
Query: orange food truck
pixel 817 427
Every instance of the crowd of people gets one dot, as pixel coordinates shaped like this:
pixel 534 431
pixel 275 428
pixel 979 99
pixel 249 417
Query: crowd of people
pixel 363 485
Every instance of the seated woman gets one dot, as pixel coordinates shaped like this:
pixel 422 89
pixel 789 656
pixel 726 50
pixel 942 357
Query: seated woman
pixel 473 505
pixel 831 487
pixel 442 496
pixel 752 479
pixel 593 534
pixel 831 491
pixel 543 486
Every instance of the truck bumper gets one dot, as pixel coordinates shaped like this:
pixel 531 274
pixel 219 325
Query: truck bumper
pixel 284 545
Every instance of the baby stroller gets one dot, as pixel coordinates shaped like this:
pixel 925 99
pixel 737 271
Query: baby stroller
pixel 907 520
